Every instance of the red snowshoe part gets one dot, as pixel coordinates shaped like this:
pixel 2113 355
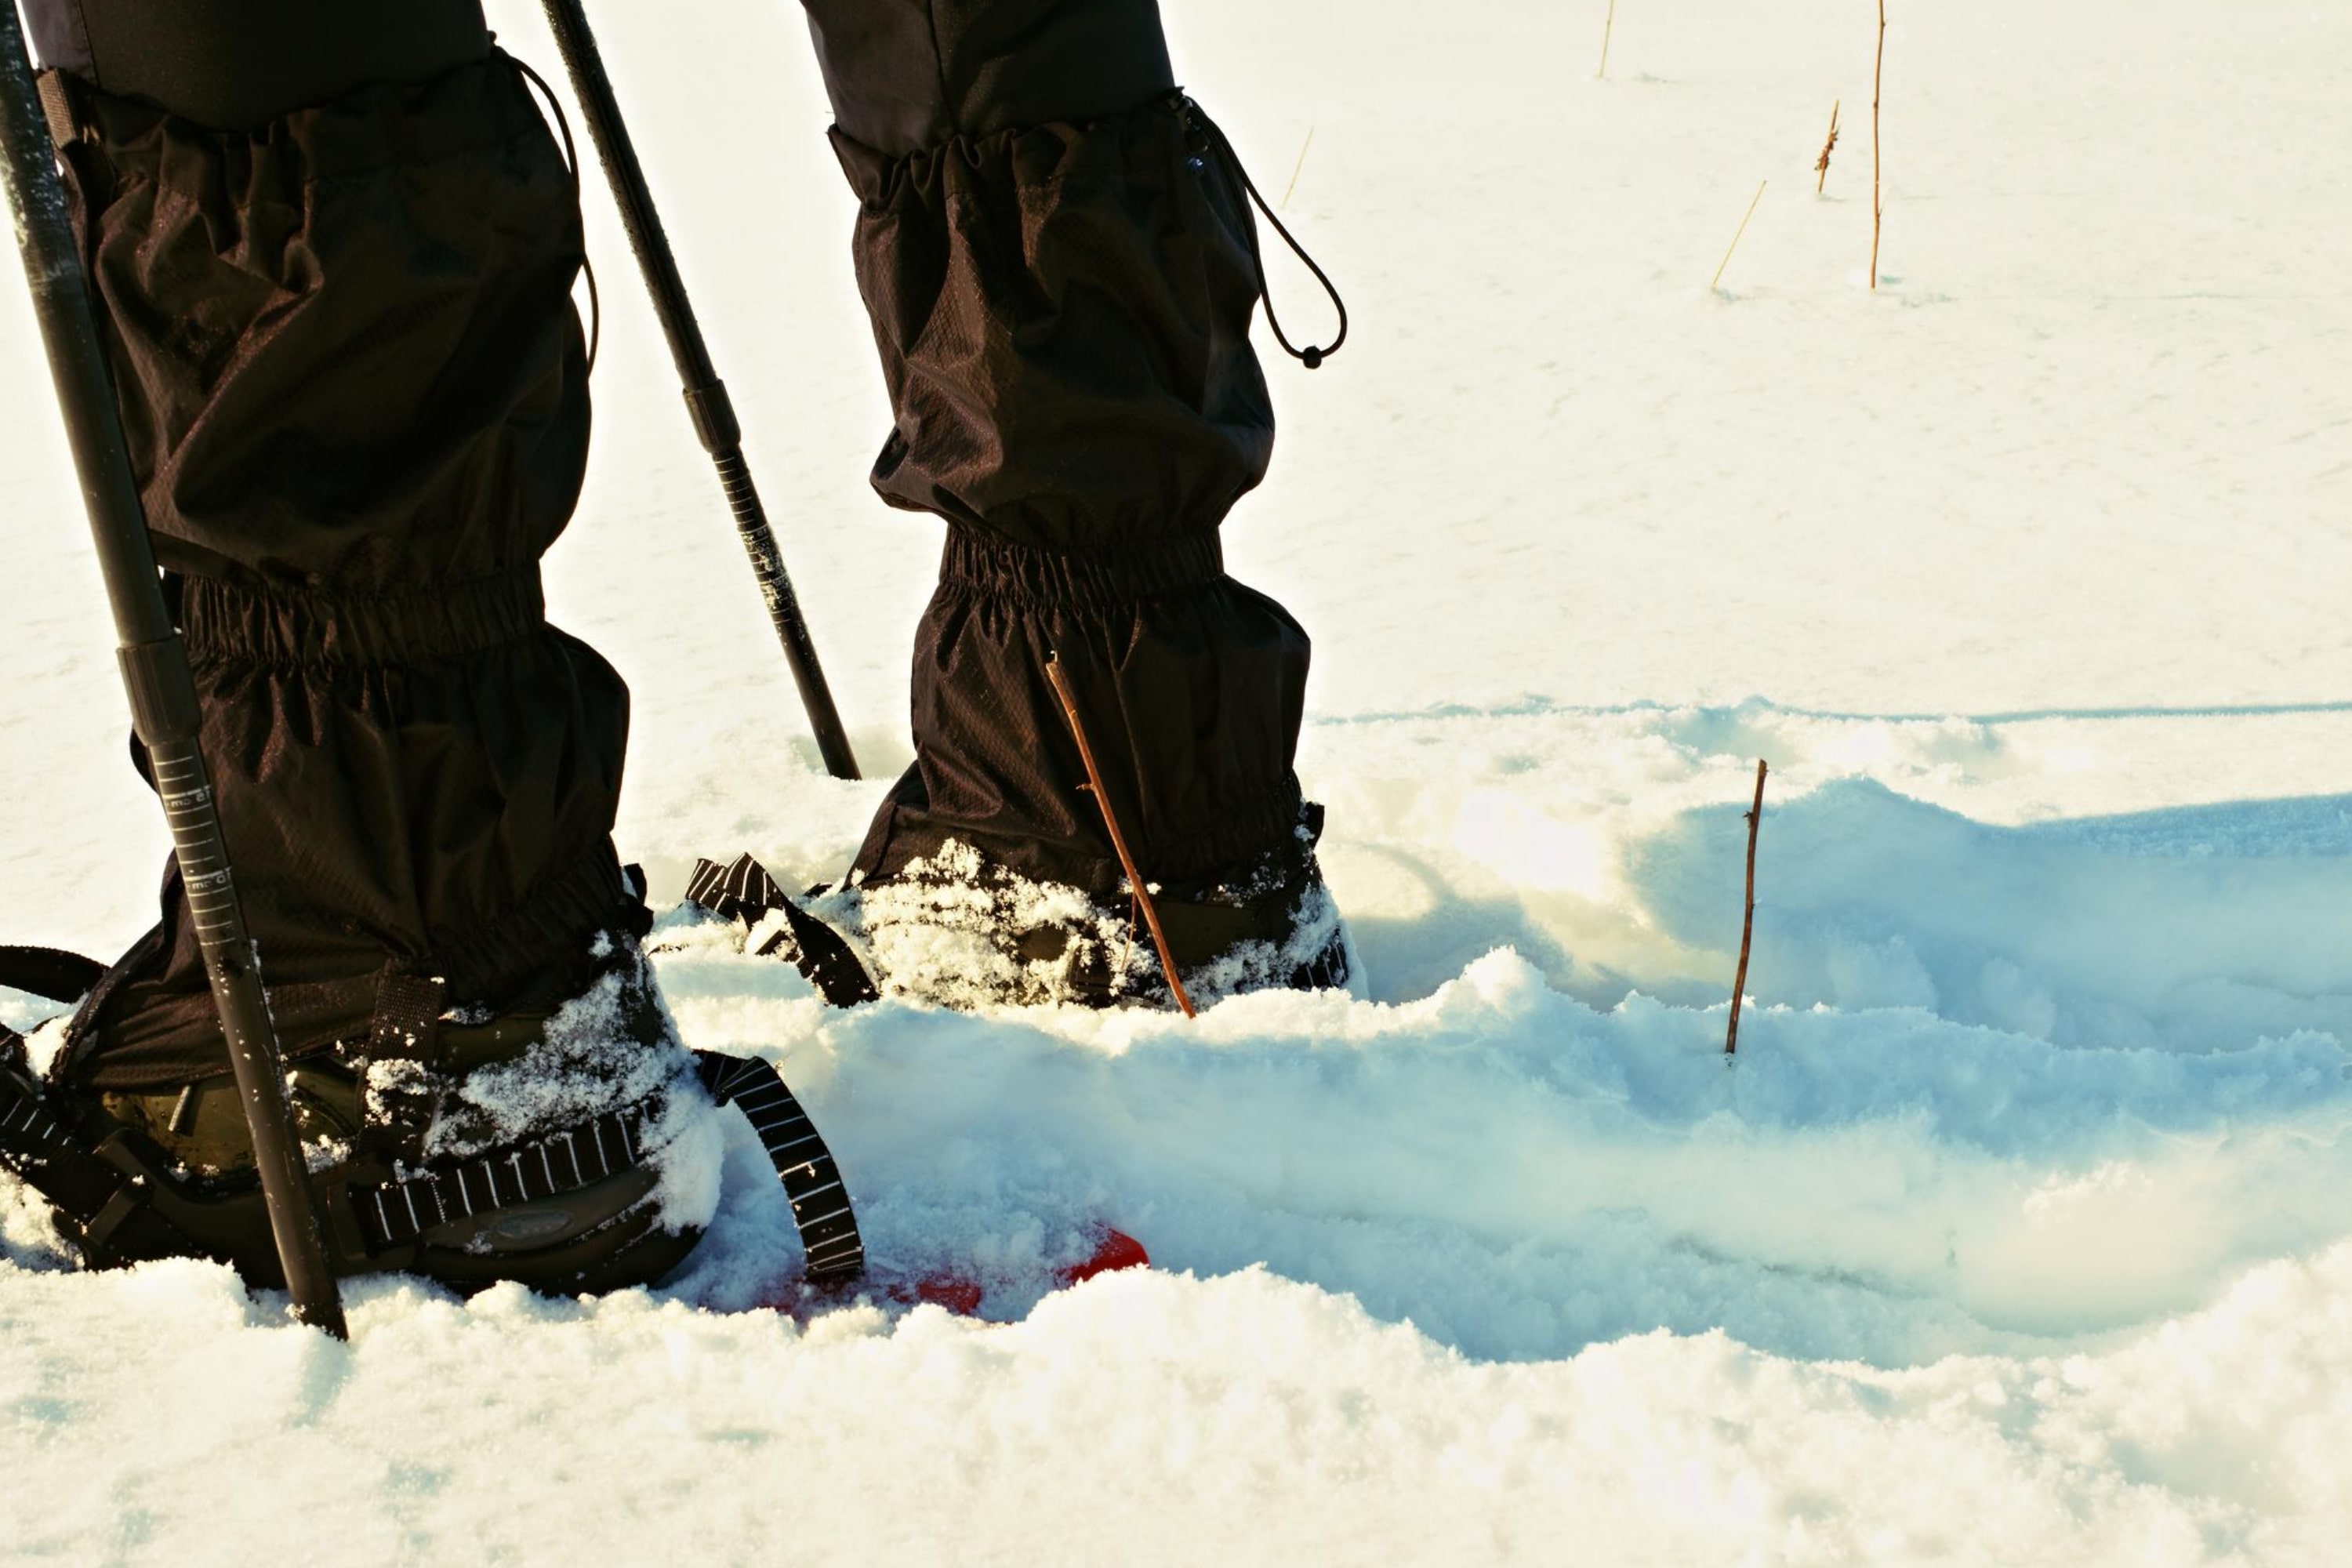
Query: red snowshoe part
pixel 953 1291
pixel 1114 1250
pixel 959 1292
pixel 963 1295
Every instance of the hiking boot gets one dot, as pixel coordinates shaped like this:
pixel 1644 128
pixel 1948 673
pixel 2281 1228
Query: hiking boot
pixel 466 1098
pixel 961 931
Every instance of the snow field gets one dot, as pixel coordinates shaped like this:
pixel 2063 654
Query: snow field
pixel 2052 1141
pixel 1561 1274
pixel 1242 1419
pixel 2018 1233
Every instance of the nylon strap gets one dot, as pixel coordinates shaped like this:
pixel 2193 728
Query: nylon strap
pixel 743 890
pixel 399 1211
pixel 99 1192
pixel 48 973
pixel 28 1131
pixel 407 1019
pixel 56 108
pixel 821 1208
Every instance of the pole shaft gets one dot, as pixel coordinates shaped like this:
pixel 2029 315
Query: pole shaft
pixel 706 395
pixel 163 705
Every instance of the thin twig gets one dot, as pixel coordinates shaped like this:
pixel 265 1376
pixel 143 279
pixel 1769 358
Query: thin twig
pixel 1284 201
pixel 1748 924
pixel 1822 165
pixel 1877 206
pixel 1118 840
pixel 1734 238
pixel 1607 27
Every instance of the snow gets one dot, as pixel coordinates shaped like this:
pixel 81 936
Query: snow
pixel 930 935
pixel 2016 1233
pixel 1149 1417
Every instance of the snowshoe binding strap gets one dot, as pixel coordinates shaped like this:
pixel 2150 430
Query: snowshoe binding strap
pixel 821 1209
pixel 742 891
pixel 396 1213
pixel 48 972
pixel 102 1193
pixel 393 1213
pixel 29 1134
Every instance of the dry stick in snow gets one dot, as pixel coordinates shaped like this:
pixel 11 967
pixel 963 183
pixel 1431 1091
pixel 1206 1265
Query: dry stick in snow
pixel 1748 924
pixel 1821 164
pixel 1877 207
pixel 1094 786
pixel 1734 238
pixel 1607 26
pixel 1284 201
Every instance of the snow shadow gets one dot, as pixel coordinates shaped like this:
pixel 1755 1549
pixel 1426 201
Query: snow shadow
pixel 1406 956
pixel 2201 928
pixel 1519 1174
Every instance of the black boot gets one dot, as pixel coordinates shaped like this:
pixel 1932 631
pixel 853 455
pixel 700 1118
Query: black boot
pixel 1061 274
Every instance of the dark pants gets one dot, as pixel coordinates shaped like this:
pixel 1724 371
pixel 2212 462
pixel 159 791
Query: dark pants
pixel 354 389
pixel 1060 282
pixel 336 281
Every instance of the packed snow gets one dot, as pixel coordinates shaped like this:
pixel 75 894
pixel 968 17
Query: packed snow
pixel 2020 1229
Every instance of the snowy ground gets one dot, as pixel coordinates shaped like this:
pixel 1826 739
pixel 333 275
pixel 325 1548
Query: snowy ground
pixel 2019 1232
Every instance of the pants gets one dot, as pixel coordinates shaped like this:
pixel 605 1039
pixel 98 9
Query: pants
pixel 1060 279
pixel 333 243
pixel 353 387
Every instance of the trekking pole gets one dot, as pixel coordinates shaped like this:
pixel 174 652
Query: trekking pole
pixel 164 710
pixel 706 395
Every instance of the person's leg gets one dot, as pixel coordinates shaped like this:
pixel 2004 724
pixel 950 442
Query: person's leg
pixel 1059 273
pixel 332 247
